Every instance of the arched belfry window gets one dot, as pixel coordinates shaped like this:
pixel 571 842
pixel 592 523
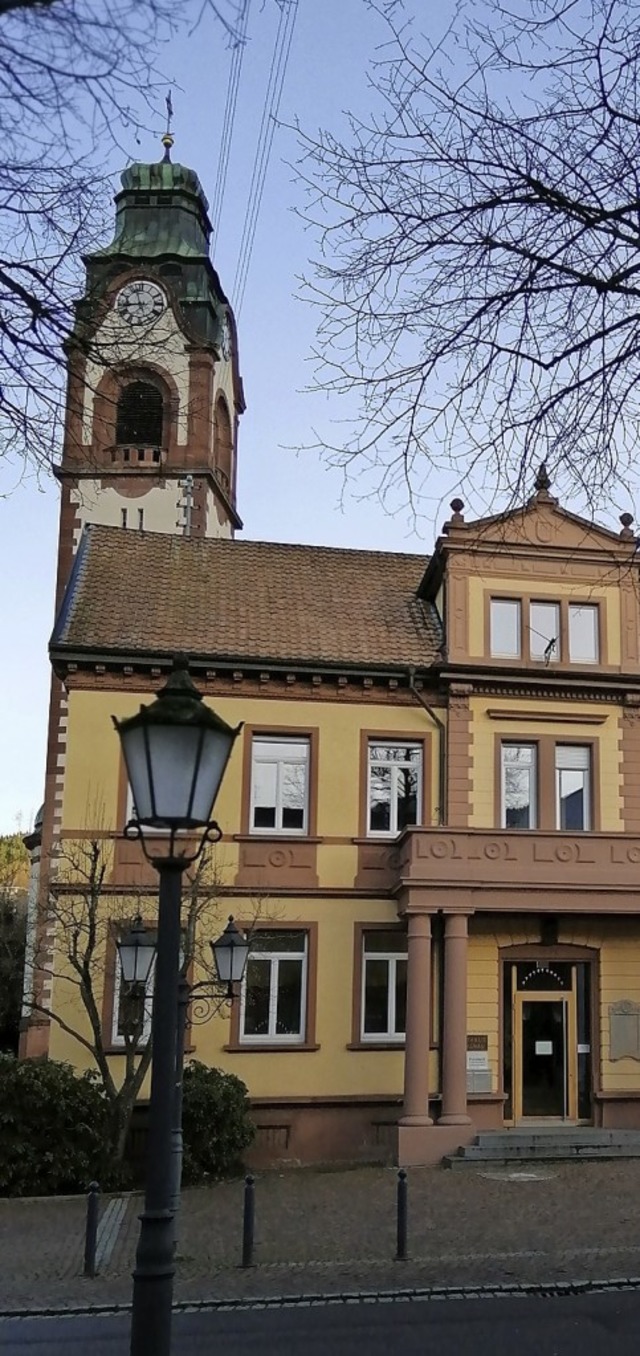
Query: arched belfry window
pixel 223 443
pixel 140 415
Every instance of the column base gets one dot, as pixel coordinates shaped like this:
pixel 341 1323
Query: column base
pixel 416 1120
pixel 425 1145
pixel 454 1119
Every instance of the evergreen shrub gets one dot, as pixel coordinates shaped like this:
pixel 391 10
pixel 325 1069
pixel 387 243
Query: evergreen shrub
pixel 216 1125
pixel 52 1128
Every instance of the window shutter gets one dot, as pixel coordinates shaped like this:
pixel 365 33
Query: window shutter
pixel 572 757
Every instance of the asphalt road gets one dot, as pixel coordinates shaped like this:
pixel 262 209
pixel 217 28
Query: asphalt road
pixel 594 1325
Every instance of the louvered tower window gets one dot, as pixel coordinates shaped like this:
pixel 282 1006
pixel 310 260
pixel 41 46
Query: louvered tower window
pixel 140 415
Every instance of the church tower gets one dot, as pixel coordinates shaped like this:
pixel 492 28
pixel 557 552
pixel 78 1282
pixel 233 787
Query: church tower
pixel 153 401
pixel 154 390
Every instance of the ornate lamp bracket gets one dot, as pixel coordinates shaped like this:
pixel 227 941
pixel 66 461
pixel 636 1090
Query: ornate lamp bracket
pixel 134 831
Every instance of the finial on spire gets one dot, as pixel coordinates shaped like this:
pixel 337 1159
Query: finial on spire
pixel 168 137
pixel 543 480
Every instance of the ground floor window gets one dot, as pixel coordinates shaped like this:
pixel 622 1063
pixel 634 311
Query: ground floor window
pixel 384 985
pixel 273 999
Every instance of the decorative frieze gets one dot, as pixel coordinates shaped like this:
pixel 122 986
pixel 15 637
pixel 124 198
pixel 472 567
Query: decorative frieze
pixel 520 870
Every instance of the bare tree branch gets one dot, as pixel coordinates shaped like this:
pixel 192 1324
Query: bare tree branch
pixel 478 280
pixel 75 79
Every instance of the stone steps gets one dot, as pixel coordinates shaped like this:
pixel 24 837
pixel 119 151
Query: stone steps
pixel 564 1143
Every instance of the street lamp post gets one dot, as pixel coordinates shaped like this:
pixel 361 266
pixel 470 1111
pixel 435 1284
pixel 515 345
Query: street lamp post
pixel 230 953
pixel 176 751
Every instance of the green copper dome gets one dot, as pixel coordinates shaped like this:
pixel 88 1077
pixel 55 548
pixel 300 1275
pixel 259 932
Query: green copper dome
pixel 160 210
pixel 162 229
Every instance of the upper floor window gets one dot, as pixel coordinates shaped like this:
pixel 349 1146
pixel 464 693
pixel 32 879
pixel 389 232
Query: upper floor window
pixel 583 633
pixel 394 786
pixel 543 630
pixel 505 628
pixel 140 413
pixel 273 999
pixel 528 797
pixel 384 985
pixel 279 784
pixel 573 787
pixel 519 786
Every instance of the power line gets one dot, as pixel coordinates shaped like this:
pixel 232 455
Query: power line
pixel 279 62
pixel 229 118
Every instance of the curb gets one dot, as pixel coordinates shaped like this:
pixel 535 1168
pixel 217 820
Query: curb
pixel 416 1294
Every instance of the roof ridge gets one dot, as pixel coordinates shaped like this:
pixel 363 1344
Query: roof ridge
pixel 235 542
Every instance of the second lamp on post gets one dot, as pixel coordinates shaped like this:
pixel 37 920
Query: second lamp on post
pixel 176 751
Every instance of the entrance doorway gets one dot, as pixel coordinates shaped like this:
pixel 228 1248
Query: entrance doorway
pixel 546 1056
pixel 547 1041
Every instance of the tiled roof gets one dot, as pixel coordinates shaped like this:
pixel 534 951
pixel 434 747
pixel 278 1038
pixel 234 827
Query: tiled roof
pixel 246 600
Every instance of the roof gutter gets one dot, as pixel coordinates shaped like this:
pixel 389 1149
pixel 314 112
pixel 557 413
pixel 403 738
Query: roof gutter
pixel 441 728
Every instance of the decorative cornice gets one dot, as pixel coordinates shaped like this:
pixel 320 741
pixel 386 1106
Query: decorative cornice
pixel 616 687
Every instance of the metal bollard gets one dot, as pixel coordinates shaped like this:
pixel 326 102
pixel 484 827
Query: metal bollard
pixel 248 1221
pixel 91 1232
pixel 401 1246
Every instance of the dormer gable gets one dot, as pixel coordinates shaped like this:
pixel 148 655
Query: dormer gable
pixel 503 582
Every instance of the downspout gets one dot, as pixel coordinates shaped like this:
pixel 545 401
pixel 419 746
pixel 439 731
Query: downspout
pixel 442 769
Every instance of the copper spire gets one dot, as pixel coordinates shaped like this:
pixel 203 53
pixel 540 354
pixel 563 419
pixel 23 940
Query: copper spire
pixel 168 137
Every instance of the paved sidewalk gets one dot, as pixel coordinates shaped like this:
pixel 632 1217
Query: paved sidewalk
pixel 335 1231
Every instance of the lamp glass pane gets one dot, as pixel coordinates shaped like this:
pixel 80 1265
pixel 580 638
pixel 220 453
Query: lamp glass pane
pixel 135 754
pixel 215 751
pixel 136 960
pixel 173 752
pixel 230 954
pixel 238 961
pixel 177 756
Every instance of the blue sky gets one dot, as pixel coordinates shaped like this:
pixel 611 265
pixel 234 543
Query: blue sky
pixel 283 494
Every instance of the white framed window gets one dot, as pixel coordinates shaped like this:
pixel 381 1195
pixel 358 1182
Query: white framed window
pixel 505 627
pixel 274 990
pixel 584 644
pixel 394 791
pixel 279 785
pixel 573 787
pixel 384 986
pixel 132 1008
pixel 519 786
pixel 544 631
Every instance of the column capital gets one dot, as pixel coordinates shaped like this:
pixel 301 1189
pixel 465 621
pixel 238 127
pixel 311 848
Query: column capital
pixel 456 925
pixel 415 899
pixel 419 925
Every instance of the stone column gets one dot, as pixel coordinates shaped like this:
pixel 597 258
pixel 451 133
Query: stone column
pixel 454 1035
pixel 416 1055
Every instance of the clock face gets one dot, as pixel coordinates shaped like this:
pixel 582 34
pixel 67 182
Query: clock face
pixel 225 338
pixel 140 303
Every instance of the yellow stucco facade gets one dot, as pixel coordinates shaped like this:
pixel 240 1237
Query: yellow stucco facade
pixel 499 922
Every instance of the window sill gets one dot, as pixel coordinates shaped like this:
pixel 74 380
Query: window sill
pixel 382 1045
pixel 271 1048
pixel 266 835
pixel 381 838
pixel 376 1045
pixel 121 1049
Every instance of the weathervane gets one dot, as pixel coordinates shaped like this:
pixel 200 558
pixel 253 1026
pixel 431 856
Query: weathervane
pixel 168 137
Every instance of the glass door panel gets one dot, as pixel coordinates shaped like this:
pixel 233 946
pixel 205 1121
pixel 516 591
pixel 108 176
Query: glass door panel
pixel 544 1057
